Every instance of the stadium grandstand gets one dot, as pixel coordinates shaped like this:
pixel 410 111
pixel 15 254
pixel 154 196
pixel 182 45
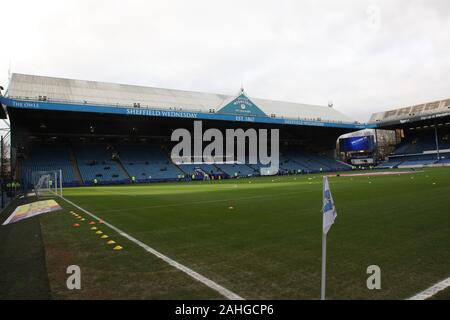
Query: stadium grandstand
pixel 422 132
pixel 106 133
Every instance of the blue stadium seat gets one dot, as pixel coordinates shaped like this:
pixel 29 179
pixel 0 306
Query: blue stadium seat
pixel 419 150
pixel 147 163
pixel 308 162
pixel 95 162
pixel 237 170
pixel 49 157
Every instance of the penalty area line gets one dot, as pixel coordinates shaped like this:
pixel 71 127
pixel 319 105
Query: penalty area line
pixel 195 275
pixel 431 291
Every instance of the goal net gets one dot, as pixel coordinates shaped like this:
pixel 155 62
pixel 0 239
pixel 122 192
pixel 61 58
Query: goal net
pixel 47 183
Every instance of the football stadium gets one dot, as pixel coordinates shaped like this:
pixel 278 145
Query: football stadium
pixel 92 185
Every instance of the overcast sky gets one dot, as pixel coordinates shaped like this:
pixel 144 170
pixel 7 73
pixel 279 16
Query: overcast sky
pixel 365 56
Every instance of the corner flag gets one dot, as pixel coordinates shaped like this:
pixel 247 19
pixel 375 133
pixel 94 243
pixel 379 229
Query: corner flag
pixel 329 214
pixel 328 209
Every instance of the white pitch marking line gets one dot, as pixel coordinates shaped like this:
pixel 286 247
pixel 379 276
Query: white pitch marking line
pixel 431 291
pixel 211 284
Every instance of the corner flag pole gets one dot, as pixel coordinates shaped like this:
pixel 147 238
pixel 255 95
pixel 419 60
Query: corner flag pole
pixel 328 216
pixel 324 266
pixel 60 181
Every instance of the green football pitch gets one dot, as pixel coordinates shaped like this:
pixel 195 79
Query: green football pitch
pixel 259 238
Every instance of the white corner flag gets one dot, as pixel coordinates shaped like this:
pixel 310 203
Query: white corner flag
pixel 329 214
pixel 328 209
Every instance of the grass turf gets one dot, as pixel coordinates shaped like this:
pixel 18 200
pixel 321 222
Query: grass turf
pixel 260 238
pixel 23 274
pixel 442 295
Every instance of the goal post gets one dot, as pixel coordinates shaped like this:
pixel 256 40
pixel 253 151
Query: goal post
pixel 47 183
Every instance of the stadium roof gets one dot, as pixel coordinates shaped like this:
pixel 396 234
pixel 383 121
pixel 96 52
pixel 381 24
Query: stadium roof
pixel 359 133
pixel 408 114
pixel 32 87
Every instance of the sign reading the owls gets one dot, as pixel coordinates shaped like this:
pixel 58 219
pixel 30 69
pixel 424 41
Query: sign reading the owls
pixel 242 106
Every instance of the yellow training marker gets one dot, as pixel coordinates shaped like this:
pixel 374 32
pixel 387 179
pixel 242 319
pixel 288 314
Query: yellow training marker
pixel 82 219
pixel 111 242
pixel 117 248
pixel 99 232
pixel 104 236
pixel 94 228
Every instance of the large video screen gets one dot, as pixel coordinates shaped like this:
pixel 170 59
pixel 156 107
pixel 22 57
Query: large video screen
pixel 365 143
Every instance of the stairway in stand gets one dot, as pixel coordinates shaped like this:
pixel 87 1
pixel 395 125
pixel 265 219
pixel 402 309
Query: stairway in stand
pixel 121 167
pixel 76 169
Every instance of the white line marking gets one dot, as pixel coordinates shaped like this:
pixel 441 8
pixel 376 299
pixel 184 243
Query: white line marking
pixel 8 220
pixel 431 291
pixel 211 284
